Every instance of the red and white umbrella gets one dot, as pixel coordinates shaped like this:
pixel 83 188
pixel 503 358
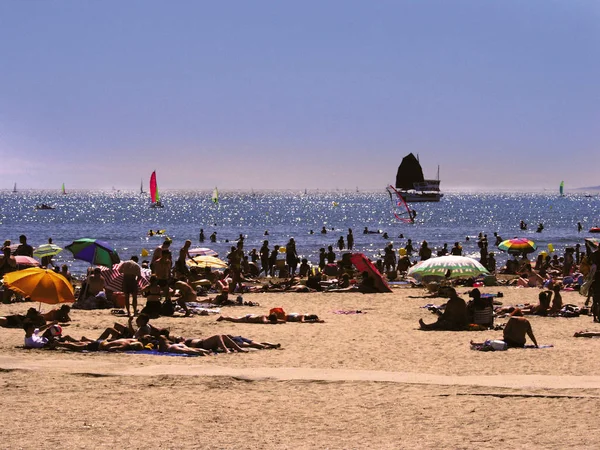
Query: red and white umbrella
pixel 113 278
pixel 26 261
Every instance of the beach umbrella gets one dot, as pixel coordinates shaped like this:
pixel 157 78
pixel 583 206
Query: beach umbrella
pixel 94 251
pixel 46 250
pixel 26 261
pixel 517 246
pixel 459 267
pixel 113 278
pixel 40 285
pixel 202 251
pixel 206 261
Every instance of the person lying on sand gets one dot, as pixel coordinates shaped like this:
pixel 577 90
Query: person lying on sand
pixel 304 318
pixel 252 318
pixel 60 315
pixel 587 334
pixel 454 317
pixel 118 345
pixel 166 346
pixel 18 320
pixel 218 342
pixel 249 343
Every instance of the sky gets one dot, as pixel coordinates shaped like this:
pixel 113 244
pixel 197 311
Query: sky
pixel 299 95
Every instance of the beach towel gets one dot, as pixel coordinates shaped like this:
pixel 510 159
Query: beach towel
pixel 352 311
pixel 157 353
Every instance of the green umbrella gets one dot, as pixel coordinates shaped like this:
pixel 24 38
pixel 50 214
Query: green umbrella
pixel 94 251
pixel 459 267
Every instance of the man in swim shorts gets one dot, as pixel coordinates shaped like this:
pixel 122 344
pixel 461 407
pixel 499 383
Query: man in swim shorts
pixel 132 272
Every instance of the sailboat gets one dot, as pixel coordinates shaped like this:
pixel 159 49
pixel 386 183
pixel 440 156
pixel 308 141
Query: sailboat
pixel 15 188
pixel 412 185
pixel 63 189
pixel 141 186
pixel 154 197
pixel 561 189
pixel 215 196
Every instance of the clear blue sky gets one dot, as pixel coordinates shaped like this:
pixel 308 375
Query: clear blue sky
pixel 312 94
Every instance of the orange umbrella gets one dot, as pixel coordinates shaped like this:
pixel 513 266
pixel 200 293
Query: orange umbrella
pixel 40 285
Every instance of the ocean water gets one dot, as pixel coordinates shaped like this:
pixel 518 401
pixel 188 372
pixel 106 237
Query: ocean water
pixel 124 218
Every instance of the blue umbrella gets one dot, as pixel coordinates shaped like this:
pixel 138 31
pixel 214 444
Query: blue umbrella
pixel 94 251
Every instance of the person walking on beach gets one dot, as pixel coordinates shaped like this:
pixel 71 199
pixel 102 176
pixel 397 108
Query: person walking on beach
pixel 132 272
pixel 350 239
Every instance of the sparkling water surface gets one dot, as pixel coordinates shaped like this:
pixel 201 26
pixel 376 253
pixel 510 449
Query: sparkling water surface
pixel 124 218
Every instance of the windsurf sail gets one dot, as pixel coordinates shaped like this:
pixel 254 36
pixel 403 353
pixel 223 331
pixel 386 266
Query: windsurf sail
pixel 215 196
pixel 153 188
pixel 562 188
pixel 400 208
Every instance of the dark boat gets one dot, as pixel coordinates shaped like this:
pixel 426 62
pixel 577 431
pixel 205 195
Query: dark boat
pixel 411 182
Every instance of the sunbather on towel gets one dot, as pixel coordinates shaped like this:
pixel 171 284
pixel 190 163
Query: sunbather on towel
pixel 516 329
pixel 213 343
pixel 166 346
pixel 118 345
pixel 252 318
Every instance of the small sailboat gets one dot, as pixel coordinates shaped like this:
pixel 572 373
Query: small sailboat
pixel 141 186
pixel 215 196
pixel 63 189
pixel 15 188
pixel 154 196
pixel 561 189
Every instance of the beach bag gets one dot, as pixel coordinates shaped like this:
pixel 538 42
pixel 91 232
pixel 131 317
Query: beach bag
pixel 278 312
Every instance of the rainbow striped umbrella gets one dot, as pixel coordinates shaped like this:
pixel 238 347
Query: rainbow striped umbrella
pixel 517 246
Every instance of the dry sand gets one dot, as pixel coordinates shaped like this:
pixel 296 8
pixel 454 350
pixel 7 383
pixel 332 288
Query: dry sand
pixel 370 380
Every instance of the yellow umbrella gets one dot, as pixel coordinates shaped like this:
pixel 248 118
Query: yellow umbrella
pixel 206 261
pixel 40 285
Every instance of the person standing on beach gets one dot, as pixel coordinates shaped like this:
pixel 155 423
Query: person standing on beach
pixel 158 252
pixel 340 243
pixel 184 254
pixel 291 256
pixel 330 255
pixel 162 270
pixel 273 260
pixel 24 249
pixel 350 239
pixel 264 258
pixel 322 258
pixel 132 272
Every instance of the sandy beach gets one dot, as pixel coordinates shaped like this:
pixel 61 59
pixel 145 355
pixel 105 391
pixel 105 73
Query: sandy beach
pixel 369 380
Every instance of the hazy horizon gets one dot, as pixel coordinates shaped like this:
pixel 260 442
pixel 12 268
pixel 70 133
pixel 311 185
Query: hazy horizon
pixel 328 94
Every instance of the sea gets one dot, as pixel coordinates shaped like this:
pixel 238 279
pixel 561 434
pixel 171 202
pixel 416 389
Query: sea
pixel 123 219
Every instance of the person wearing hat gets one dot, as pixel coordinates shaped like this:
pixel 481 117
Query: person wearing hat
pixel 481 310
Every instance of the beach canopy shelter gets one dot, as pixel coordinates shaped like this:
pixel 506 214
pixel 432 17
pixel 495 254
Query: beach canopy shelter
pixel 40 285
pixel 94 251
pixel 448 267
pixel 363 264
